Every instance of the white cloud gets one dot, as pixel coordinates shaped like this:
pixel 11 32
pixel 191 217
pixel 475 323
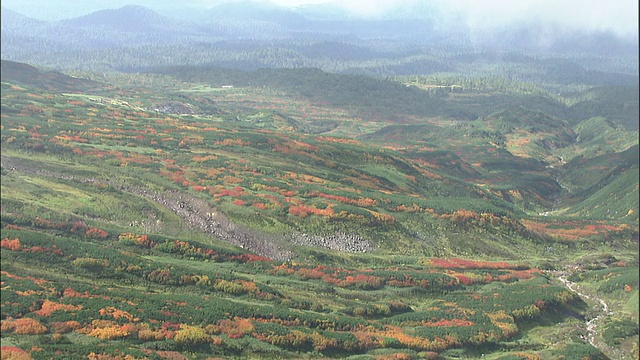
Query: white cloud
pixel 620 16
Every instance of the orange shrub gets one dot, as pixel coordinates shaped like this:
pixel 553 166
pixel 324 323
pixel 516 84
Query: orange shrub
pixel 260 206
pixel 146 334
pixel 110 310
pixel 307 274
pixel 13 353
pixel 49 307
pixel 24 326
pixel 398 356
pixel 238 202
pixel 235 328
pixel 232 142
pixel 13 245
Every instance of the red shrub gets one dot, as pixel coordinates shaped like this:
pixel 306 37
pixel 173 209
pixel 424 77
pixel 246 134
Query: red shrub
pixel 238 202
pixel 95 233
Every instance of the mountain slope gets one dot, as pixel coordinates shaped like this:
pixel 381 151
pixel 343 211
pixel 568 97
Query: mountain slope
pixel 614 197
pixel 275 181
pixel 170 207
pixel 240 146
pixel 603 187
pixel 618 104
pixel 24 74
pixel 357 91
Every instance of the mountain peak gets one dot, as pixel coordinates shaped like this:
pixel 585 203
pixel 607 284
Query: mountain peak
pixel 12 18
pixel 134 18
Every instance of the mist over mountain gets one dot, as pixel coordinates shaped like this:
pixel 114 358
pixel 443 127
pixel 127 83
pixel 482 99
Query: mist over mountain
pixel 418 39
pixel 619 17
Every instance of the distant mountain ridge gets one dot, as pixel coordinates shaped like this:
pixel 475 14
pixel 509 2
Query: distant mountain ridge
pixel 12 20
pixel 132 18
pixel 281 30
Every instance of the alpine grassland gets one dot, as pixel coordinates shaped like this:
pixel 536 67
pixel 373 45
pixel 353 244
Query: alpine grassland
pixel 272 186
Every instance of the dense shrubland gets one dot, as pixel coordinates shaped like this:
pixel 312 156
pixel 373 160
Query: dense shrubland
pixel 115 216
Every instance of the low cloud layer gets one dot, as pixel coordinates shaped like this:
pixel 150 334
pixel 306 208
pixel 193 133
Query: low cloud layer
pixel 618 16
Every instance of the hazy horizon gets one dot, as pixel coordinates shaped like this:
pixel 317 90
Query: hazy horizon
pixel 618 16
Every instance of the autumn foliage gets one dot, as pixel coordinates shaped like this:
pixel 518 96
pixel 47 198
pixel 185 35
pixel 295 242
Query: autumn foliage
pixel 23 326
pixel 10 244
pixel 191 336
pixel 235 328
pixel 455 263
pixel 48 307
pixel 13 353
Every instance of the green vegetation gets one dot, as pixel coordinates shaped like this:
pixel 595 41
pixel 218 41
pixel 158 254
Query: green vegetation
pixel 616 331
pixel 154 215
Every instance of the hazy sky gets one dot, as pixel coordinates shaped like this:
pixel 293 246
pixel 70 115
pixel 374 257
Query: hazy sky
pixel 620 16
